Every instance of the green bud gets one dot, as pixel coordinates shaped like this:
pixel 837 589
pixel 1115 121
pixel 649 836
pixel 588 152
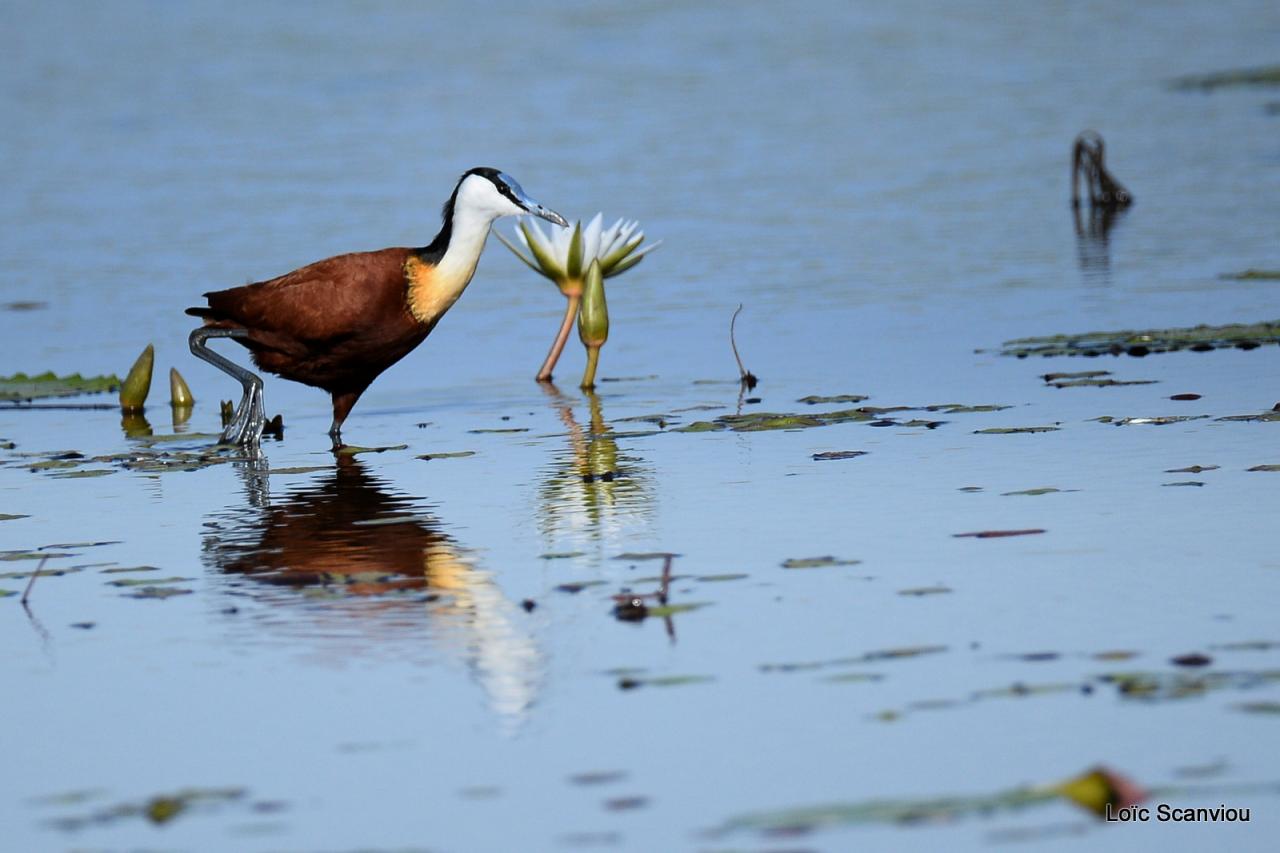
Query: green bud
pixel 179 392
pixel 593 316
pixel 136 386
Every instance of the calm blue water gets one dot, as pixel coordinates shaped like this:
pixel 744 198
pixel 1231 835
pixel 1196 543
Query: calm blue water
pixel 884 189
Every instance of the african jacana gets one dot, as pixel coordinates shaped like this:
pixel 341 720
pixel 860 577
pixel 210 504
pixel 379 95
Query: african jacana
pixel 339 323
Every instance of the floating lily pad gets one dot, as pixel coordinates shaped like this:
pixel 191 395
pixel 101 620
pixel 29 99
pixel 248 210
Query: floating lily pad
pixel 996 534
pixel 1192 469
pixel 300 469
pixel 1265 468
pixel 1252 275
pixel 1160 421
pixel 1184 483
pixel 1043 490
pixel 124 569
pixel 1145 342
pixel 961 409
pixel 498 430
pixel 597 777
pixel 7 516
pixel 82 474
pixel 813 399
pixel 577 586
pixel 1184 398
pixel 664 610
pixel 132 582
pixel 838 454
pixel 1100 383
pixel 632 682
pixel 353 449
pixel 1081 374
pixel 5 593
pixel 1014 430
pixel 20 386
pixel 817 563
pixel 1263 75
pixel 1272 708
pixel 561 555
pixel 640 556
pixel 158 592
pixel 159 809
pixel 456 454
pixel 1271 416
pixel 1163 686
pixel 919 591
pixel 721 578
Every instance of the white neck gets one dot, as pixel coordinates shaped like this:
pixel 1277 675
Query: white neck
pixel 470 230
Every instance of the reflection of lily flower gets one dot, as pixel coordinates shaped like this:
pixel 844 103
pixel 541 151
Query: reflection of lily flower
pixel 564 255
pixel 594 490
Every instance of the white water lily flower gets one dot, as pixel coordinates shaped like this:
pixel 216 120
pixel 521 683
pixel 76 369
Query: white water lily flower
pixel 565 254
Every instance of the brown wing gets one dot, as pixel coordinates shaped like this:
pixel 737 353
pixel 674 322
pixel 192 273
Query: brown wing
pixel 318 305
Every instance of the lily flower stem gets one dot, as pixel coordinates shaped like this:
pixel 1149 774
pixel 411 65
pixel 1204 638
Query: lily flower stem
pixel 570 313
pixel 589 375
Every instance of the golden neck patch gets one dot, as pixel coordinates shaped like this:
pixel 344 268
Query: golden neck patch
pixel 432 290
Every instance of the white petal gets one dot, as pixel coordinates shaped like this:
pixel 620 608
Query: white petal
pixel 591 239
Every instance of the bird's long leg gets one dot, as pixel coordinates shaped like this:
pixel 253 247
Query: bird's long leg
pixel 246 425
pixel 342 404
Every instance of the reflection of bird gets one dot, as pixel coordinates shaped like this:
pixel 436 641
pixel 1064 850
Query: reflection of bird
pixel 339 323
pixel 347 534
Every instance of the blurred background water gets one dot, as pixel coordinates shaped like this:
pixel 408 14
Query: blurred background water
pixel 885 189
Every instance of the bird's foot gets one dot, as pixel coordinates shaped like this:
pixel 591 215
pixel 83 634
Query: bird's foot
pixel 248 421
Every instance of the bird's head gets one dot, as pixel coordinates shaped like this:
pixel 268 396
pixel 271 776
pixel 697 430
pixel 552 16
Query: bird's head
pixel 492 193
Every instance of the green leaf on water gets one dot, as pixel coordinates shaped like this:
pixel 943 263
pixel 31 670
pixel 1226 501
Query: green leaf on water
pixel 1191 469
pixel 498 431
pixel 1012 430
pixel 20 386
pixel 1100 383
pixel 85 473
pixel 6 516
pixel 1262 75
pixel 1081 374
pixel 1265 468
pixel 54 464
pixel 960 409
pixel 1252 275
pixel 829 455
pixel 5 593
pixel 1184 483
pixel 632 682
pixel 132 582
pixel 1043 490
pixel 561 555
pixel 639 556
pixel 720 578
pixel 816 562
pixel 813 399
pixel 926 590
pixel 700 426
pixel 456 454
pixel 300 469
pixel 1262 707
pixel 123 569
pixel 158 592
pixel 1144 342
pixel 352 449
pixel 663 610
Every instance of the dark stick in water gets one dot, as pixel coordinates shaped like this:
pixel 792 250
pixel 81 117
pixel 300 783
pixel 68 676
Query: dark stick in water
pixel 747 377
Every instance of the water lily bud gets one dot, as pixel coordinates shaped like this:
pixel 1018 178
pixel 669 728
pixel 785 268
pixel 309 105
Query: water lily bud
pixel 593 316
pixel 1101 789
pixel 179 392
pixel 136 386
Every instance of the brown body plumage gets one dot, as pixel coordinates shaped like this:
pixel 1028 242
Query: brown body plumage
pixel 337 324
